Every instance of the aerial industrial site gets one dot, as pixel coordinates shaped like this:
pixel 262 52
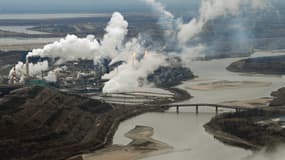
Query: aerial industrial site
pixel 142 79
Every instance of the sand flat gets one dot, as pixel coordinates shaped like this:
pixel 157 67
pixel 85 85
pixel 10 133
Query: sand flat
pixel 252 103
pixel 220 85
pixel 142 146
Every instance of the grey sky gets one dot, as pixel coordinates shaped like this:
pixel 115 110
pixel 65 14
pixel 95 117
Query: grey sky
pixel 86 5
pixel 176 6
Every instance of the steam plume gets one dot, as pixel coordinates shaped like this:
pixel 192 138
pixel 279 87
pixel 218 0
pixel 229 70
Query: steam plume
pixel 127 76
pixel 212 9
pixel 69 48
pixel 35 69
pixel 167 22
pixel 135 70
pixel 73 48
pixel 116 30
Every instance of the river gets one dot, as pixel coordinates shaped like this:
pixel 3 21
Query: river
pixel 185 131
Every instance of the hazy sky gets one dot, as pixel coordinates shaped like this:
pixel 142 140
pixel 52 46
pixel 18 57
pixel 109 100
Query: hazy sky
pixel 87 5
pixel 176 6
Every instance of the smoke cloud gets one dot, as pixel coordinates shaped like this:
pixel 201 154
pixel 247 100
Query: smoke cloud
pixel 209 10
pixel 167 22
pixel 52 75
pixel 73 48
pixel 116 31
pixel 182 37
pixel 34 69
pixel 69 48
pixel 212 9
pixel 133 74
pixel 160 9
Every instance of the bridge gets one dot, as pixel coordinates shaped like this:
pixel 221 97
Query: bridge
pixel 216 106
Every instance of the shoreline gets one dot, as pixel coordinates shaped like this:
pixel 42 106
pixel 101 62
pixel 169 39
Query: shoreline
pixel 224 84
pixel 142 145
pixel 59 125
pixel 230 139
pixel 179 95
pixel 251 130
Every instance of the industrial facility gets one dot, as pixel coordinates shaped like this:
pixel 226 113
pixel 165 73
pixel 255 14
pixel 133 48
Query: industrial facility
pixel 72 76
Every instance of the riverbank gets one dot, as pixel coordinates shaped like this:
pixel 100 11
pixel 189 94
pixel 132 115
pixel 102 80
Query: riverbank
pixel 142 146
pixel 252 103
pixel 273 65
pixel 44 123
pixel 224 84
pixel 254 129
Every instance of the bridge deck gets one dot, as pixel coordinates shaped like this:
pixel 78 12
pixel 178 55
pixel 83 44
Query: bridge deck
pixel 216 106
pixel 209 105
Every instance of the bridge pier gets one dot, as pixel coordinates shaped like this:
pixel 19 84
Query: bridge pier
pixel 217 109
pixel 177 109
pixel 237 110
pixel 197 109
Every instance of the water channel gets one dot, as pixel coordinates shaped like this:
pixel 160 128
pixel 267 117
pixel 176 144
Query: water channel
pixel 185 131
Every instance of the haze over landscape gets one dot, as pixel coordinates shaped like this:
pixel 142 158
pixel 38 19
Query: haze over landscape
pixel 142 79
pixel 73 6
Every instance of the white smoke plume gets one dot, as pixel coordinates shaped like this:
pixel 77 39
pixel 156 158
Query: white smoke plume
pixel 69 48
pixel 34 70
pixel 192 53
pixel 209 10
pixel 52 75
pixel 73 48
pixel 132 46
pixel 160 9
pixel 126 77
pixel 167 22
pixel 182 33
pixel 212 9
pixel 116 31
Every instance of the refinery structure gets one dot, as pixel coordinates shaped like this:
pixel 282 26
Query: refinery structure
pixel 111 64
pixel 78 76
pixel 81 75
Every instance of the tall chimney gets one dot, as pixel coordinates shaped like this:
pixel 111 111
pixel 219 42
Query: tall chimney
pixel 14 76
pixel 27 68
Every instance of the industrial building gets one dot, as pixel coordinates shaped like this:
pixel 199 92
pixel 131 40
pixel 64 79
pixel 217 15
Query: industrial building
pixel 72 76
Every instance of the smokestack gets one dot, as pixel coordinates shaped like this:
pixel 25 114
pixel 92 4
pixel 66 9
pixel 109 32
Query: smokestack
pixel 14 76
pixel 134 56
pixel 145 53
pixel 42 75
pixel 27 67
